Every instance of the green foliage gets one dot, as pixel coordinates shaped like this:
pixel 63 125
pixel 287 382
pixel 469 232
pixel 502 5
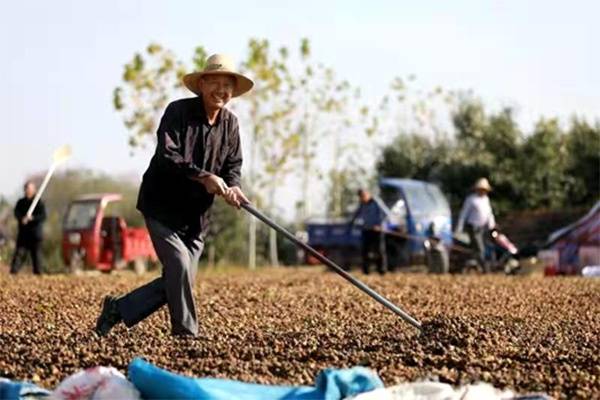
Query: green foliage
pixel 408 155
pixel 541 176
pixel 549 168
pixel 267 114
pixel 199 60
pixel 343 185
pixel 227 244
pixel 148 80
pixel 7 226
pixel 583 165
pixel 227 236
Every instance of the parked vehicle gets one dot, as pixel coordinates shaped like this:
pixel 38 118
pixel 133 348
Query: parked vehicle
pixel 411 206
pixel 415 208
pixel 437 253
pixel 92 239
pixel 334 239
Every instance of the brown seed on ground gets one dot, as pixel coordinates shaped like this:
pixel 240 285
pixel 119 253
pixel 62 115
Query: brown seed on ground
pixel 285 325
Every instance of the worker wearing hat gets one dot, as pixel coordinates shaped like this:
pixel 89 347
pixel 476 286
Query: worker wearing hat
pixel 198 155
pixel 477 218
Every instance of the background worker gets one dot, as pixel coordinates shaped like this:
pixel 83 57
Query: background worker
pixel 30 234
pixel 370 215
pixel 477 218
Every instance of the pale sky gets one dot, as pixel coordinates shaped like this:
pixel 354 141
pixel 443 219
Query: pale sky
pixel 62 59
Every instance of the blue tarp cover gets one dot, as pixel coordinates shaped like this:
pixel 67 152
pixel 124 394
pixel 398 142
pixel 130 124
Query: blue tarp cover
pixel 331 384
pixel 16 390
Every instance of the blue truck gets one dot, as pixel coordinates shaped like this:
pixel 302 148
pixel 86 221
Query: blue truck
pixel 415 209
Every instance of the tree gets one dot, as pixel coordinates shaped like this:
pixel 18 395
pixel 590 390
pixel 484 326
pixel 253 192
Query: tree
pixel 409 155
pixel 331 121
pixel 583 164
pixel 486 145
pixel 226 240
pixel 348 124
pixel 540 176
pixel 149 81
pixel 274 143
pixel 545 169
pixel 415 118
pixel 7 225
pixel 502 142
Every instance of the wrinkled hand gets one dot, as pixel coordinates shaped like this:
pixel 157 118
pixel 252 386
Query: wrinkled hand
pixel 214 184
pixel 235 197
pixel 26 219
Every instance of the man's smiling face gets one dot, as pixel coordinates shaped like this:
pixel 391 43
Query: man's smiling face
pixel 216 90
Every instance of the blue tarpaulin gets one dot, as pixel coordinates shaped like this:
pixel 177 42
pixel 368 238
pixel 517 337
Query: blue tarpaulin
pixel 15 390
pixel 331 384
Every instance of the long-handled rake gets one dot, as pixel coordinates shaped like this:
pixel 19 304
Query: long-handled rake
pixel 381 299
pixel 61 155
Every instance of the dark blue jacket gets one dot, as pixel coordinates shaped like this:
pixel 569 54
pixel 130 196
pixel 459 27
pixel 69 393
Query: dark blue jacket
pixel 369 213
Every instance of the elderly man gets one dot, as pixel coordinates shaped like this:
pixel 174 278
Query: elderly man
pixel 198 155
pixel 371 215
pixel 478 218
pixel 29 237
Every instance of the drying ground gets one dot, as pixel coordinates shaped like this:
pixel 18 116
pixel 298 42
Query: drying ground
pixel 530 334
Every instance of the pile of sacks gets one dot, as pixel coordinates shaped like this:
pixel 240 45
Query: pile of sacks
pixel 147 381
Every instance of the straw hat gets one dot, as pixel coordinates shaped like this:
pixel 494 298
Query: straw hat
pixel 483 184
pixel 219 64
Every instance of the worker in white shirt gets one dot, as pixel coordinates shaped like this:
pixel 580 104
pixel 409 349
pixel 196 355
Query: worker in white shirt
pixel 477 218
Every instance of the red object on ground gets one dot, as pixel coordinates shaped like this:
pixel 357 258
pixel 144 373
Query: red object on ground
pixel 94 240
pixel 503 241
pixel 312 260
pixel 550 270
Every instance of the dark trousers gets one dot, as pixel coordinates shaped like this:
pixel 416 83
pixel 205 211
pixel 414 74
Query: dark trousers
pixel 477 239
pixel 33 247
pixel 396 253
pixel 179 257
pixel 371 251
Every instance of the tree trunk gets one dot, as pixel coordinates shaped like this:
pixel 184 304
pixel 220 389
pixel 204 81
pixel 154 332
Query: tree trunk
pixel 211 256
pixel 305 175
pixel 252 243
pixel 252 224
pixel 273 248
pixel 273 256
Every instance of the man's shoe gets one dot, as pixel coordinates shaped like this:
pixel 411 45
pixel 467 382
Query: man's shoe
pixel 109 317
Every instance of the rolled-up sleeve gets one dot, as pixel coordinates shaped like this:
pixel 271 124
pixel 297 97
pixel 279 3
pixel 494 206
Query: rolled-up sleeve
pixel 170 148
pixel 232 166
